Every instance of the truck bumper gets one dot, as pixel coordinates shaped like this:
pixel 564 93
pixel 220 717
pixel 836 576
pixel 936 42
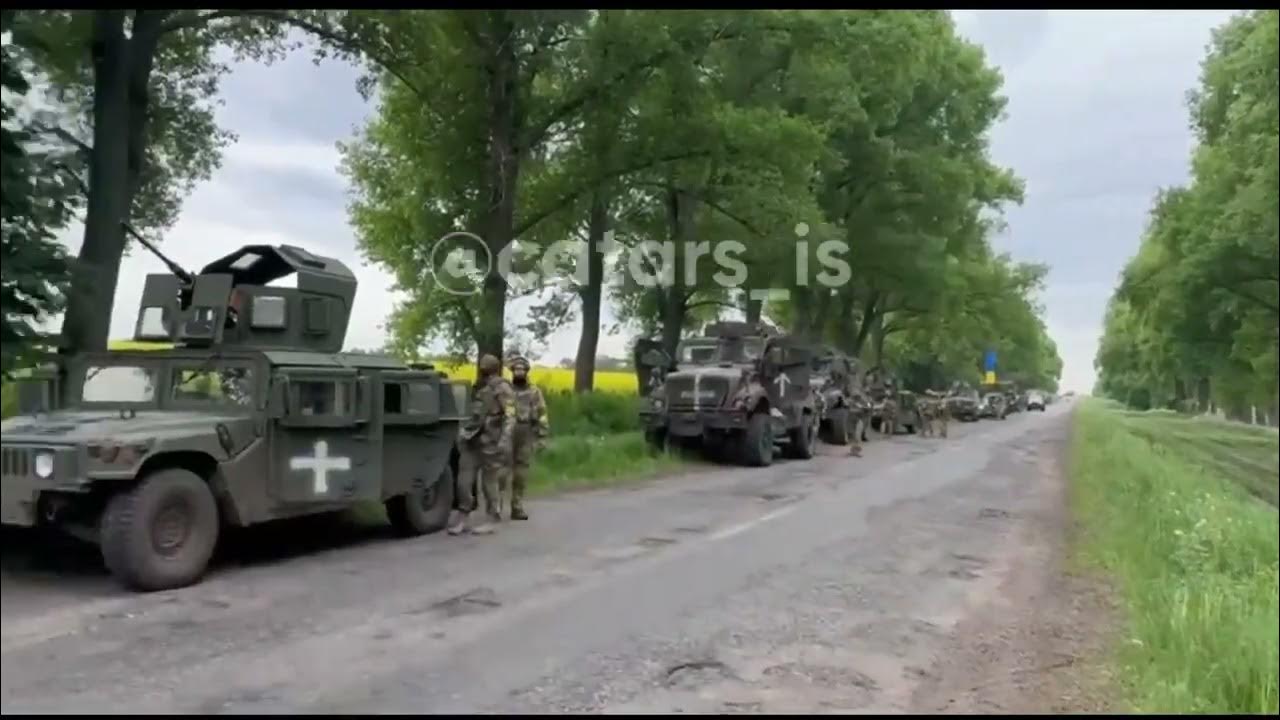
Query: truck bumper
pixel 18 497
pixel 696 423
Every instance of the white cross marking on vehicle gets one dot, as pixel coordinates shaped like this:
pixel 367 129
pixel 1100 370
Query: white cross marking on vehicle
pixel 320 464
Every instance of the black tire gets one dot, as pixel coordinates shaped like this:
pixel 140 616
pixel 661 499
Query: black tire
pixel 160 534
pixel 839 432
pixel 803 439
pixel 757 441
pixel 656 440
pixel 425 508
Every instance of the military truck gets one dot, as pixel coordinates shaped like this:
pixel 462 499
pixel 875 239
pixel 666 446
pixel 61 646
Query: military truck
pixel 738 390
pixel 836 379
pixel 883 385
pixel 253 414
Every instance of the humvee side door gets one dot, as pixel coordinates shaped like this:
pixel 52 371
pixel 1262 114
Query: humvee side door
pixel 324 449
pixel 785 373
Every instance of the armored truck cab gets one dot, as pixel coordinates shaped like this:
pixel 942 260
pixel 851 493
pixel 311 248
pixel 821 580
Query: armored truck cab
pixel 738 390
pixel 254 414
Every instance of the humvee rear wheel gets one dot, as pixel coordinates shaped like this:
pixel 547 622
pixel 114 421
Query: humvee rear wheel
pixel 757 441
pixel 161 534
pixel 839 431
pixel 425 508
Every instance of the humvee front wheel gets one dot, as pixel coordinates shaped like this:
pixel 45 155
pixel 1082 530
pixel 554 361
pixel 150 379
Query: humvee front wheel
pixel 757 441
pixel 425 508
pixel 161 534
pixel 804 439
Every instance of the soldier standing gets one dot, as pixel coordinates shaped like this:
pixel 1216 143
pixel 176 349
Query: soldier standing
pixel 530 433
pixel 889 410
pixel 486 447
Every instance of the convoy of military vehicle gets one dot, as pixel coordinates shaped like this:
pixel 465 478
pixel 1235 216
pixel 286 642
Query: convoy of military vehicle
pixel 256 414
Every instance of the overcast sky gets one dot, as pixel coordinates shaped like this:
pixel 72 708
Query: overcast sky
pixel 1097 122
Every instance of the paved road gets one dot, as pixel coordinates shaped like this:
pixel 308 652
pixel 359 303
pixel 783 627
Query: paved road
pixel 823 586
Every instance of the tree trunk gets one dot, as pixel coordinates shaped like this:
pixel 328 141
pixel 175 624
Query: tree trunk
pixel 870 317
pixel 589 340
pixel 89 303
pixel 877 341
pixel 503 173
pixel 754 309
pixel 675 299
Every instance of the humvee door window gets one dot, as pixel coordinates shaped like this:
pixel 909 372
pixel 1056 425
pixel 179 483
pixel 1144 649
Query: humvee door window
pixel 233 386
pixel 119 383
pixel 317 397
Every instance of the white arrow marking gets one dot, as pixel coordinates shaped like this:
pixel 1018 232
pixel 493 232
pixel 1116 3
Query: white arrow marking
pixel 320 464
pixel 782 383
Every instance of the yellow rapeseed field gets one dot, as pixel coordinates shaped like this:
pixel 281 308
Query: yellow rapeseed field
pixel 547 378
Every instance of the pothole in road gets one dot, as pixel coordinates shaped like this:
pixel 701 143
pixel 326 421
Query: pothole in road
pixel 472 603
pixel 692 675
pixel 823 675
pixel 990 513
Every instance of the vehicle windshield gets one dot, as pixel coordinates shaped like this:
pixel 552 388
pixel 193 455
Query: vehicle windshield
pixel 696 353
pixel 221 386
pixel 119 384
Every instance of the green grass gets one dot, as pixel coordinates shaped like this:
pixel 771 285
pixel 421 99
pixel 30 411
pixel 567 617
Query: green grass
pixel 1177 511
pixel 595 460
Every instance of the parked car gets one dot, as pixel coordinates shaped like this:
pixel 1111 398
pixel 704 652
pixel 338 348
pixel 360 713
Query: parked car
pixel 1036 400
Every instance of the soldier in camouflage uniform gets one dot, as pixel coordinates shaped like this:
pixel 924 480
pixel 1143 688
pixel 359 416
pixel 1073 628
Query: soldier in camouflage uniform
pixel 486 447
pixel 861 408
pixel 889 410
pixel 530 432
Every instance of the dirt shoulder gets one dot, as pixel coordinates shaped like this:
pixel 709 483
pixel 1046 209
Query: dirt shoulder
pixel 1038 640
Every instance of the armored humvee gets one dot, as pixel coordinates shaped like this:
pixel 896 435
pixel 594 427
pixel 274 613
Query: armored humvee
pixel 836 379
pixel 738 390
pixel 253 414
pixel 964 402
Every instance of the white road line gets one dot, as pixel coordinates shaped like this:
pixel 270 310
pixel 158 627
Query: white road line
pixel 732 530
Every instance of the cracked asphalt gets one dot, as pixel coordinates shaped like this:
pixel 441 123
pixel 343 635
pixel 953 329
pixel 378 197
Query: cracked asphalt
pixel 832 585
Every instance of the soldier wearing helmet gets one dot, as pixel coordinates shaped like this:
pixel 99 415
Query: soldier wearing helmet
pixel 486 445
pixel 530 432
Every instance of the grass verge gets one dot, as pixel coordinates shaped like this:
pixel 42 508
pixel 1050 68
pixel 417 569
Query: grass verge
pixel 1173 513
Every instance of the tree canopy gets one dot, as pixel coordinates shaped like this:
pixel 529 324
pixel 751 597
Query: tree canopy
pixel 1195 317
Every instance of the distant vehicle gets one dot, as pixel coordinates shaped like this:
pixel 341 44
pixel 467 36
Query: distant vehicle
pixel 1036 400
pixel 738 391
pixel 995 405
pixel 883 386
pixel 254 415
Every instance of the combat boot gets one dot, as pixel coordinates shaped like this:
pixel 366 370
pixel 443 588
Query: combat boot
pixel 518 513
pixel 459 524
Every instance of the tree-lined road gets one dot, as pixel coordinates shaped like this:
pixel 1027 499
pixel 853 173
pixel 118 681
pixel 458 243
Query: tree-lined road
pixel 837 584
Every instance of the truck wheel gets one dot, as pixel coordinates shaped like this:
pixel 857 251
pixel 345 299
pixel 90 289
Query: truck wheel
pixel 656 440
pixel 803 439
pixel 757 441
pixel 423 510
pixel 160 534
pixel 839 433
